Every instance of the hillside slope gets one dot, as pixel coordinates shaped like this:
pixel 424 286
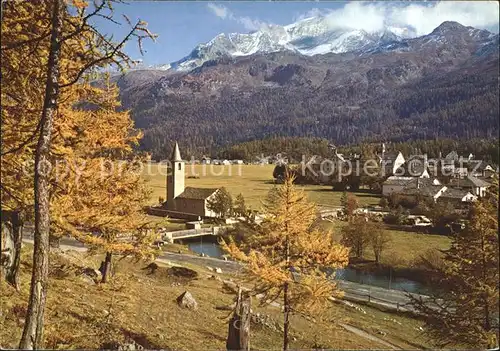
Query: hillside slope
pixel 139 307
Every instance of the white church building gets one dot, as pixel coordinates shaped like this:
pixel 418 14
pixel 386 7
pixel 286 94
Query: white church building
pixel 185 200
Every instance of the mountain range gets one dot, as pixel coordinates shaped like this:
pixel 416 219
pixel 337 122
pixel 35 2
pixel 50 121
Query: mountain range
pixel 306 79
pixel 309 37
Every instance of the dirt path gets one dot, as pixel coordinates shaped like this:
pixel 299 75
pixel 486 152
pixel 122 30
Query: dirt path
pixel 368 336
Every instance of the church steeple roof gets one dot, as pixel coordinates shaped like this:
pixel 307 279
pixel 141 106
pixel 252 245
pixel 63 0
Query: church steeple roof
pixel 176 154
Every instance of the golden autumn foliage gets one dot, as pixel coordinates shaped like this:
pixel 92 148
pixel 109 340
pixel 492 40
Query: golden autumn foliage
pixel 49 51
pixel 464 311
pixel 89 133
pixel 287 257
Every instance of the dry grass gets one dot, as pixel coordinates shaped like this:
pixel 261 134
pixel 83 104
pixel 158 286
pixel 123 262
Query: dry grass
pixel 253 181
pixel 142 307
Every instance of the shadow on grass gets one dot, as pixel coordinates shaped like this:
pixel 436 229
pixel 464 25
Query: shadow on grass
pixel 211 335
pixel 142 339
pixel 139 338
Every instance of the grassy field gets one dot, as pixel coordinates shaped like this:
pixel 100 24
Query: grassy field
pixel 141 306
pixel 253 181
pixel 405 247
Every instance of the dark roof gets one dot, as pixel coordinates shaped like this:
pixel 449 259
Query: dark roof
pixel 454 193
pixel 469 182
pixel 390 156
pixel 197 193
pixel 477 165
pixel 395 180
pixel 478 182
pixel 421 182
pixel 425 190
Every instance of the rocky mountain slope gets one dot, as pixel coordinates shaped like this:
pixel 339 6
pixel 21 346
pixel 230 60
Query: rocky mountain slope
pixel 310 36
pixel 444 84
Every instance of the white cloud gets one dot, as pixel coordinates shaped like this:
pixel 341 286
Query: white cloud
pixel 423 17
pixel 371 17
pixel 223 12
pixel 251 24
pixel 479 14
pixel 219 11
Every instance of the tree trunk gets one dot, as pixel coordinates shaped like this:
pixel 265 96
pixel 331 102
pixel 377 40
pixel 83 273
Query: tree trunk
pixel 286 302
pixel 238 337
pixel 33 328
pixel 11 246
pixel 106 267
pixel 359 250
pixel 286 324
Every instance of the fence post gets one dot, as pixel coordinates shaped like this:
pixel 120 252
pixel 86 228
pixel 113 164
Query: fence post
pixel 369 297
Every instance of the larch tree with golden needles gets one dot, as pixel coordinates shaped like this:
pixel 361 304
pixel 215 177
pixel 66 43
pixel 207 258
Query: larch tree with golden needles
pixel 100 195
pixel 61 35
pixel 287 257
pixel 464 310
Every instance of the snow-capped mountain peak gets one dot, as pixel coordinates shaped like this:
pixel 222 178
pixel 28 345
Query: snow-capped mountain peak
pixel 309 36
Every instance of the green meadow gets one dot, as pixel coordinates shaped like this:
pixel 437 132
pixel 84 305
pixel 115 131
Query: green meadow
pixel 252 181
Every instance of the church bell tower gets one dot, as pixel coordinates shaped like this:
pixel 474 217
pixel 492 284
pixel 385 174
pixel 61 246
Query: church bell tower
pixel 175 177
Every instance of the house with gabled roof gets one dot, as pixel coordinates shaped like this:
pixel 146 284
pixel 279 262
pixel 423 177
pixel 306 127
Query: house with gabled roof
pixel 415 166
pixel 473 184
pixel 428 191
pixel 457 197
pixel 390 162
pixel 191 201
pixel 395 184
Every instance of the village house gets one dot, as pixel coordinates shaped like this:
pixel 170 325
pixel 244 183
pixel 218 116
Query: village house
pixel 415 187
pixel 428 189
pixel 455 166
pixel 473 184
pixel 185 202
pixel 457 197
pixel 394 184
pixel 414 166
pixel 406 175
pixel 479 168
pixel 465 179
pixel 390 162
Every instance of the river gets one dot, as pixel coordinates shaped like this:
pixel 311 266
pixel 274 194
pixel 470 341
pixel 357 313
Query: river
pixel 209 247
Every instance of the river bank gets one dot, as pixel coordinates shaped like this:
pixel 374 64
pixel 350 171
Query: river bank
pixel 363 272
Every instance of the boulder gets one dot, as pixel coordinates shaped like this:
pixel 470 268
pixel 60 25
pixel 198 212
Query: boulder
pixel 187 300
pixel 218 270
pixel 87 279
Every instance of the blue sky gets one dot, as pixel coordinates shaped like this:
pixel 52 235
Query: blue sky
pixel 183 25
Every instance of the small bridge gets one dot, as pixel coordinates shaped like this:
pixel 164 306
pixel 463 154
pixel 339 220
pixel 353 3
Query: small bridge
pixel 190 233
